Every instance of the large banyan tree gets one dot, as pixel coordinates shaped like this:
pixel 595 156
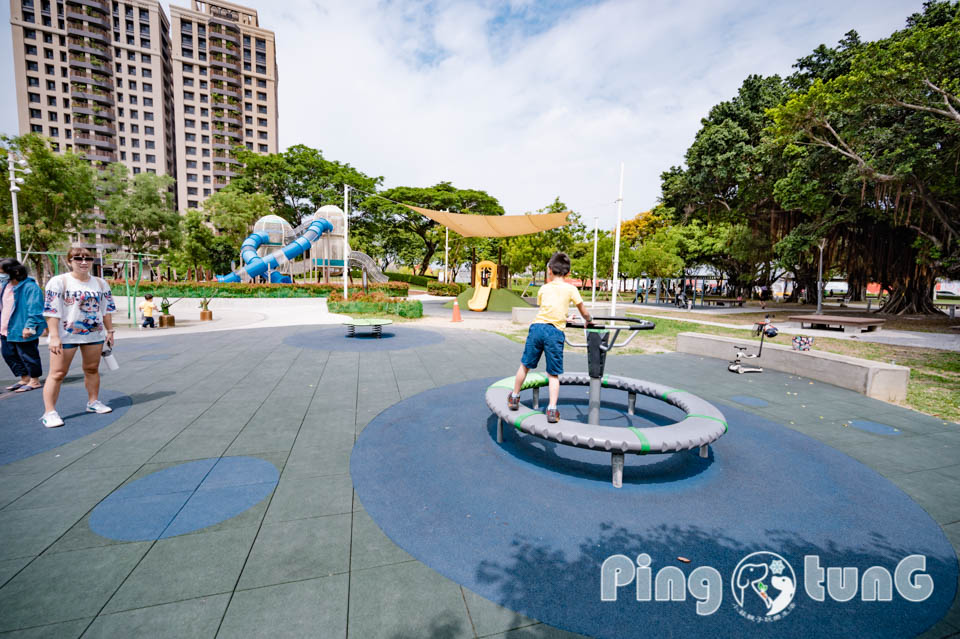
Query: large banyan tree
pixel 857 152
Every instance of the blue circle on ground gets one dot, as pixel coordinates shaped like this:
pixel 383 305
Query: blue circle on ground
pixel 747 400
pixel 874 427
pixel 184 498
pixel 22 435
pixel 334 338
pixel 528 523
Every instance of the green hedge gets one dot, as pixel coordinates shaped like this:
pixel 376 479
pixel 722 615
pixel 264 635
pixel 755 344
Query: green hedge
pixel 439 288
pixel 419 280
pixel 218 289
pixel 406 308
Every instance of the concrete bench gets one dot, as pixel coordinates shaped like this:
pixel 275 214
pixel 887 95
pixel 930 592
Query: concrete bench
pixel 723 302
pixel 887 382
pixel 848 324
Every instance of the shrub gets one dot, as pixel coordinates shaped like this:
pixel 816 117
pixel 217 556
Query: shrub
pixel 375 302
pixel 220 289
pixel 440 288
pixel 419 280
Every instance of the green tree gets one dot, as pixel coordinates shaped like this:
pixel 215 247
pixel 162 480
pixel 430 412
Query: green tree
pixel 55 198
pixel 140 210
pixel 534 250
pixel 233 213
pixel 300 180
pixel 198 245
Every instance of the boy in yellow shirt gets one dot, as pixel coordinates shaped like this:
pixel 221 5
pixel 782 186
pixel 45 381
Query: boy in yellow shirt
pixel 546 332
pixel 147 307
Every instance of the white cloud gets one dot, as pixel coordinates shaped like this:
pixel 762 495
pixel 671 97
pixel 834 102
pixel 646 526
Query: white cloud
pixel 544 103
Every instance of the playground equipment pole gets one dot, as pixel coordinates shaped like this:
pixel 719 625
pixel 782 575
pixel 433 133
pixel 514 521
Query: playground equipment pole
pixel 593 291
pixel 446 250
pixel 616 249
pixel 346 247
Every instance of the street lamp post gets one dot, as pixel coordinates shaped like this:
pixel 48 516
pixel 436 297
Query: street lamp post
pixel 823 243
pixel 15 181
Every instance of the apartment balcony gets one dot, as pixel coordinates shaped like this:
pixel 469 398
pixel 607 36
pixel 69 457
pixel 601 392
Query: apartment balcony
pixel 96 5
pixel 227 146
pixel 101 21
pixel 226 173
pixel 85 32
pixel 215 104
pixel 225 76
pixel 103 82
pixel 90 65
pixel 218 157
pixel 92 126
pixel 226 92
pixel 95 112
pixel 99 51
pixel 230 27
pixel 97 155
pixel 227 120
pixel 100 141
pixel 80 94
pixel 218 32
pixel 224 63
pixel 232 51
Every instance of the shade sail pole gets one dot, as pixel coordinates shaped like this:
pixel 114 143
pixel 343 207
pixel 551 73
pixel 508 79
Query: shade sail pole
pixel 346 246
pixel 593 290
pixel 616 249
pixel 446 252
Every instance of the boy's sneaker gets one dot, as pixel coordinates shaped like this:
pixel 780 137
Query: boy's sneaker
pixel 51 419
pixel 513 402
pixel 553 415
pixel 98 407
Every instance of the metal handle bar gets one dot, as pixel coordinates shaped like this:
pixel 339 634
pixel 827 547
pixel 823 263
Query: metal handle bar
pixel 636 325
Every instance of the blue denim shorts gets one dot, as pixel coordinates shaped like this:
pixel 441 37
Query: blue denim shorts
pixel 544 338
pixel 86 344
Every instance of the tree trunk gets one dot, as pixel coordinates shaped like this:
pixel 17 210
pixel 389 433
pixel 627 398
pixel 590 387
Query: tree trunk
pixel 914 296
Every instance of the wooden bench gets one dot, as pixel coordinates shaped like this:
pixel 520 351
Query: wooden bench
pixel 376 324
pixel 848 324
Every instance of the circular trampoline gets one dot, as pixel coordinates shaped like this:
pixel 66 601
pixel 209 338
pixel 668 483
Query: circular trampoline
pixel 529 523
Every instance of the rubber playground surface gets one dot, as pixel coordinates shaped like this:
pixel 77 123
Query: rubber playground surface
pixel 287 482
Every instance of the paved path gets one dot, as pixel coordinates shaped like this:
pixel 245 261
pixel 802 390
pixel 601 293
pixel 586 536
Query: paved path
pixel 308 561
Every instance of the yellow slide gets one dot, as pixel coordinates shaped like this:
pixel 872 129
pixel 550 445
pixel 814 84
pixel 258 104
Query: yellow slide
pixel 480 299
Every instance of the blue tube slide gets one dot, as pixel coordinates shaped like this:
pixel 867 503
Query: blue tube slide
pixel 257 266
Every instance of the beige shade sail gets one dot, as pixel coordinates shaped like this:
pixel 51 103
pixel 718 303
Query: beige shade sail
pixel 495 225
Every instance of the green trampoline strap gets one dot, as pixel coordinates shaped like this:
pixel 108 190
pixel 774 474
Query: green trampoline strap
pixel 520 418
pixel 675 390
pixel 644 442
pixel 605 381
pixel 716 419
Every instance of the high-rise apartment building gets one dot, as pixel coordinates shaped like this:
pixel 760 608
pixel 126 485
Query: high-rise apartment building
pixel 103 78
pixel 94 76
pixel 225 93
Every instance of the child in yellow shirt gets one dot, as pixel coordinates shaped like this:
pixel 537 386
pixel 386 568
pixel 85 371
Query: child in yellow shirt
pixel 147 307
pixel 546 332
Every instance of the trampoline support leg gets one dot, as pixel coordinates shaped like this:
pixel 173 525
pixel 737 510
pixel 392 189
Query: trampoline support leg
pixel 704 451
pixel 631 403
pixel 499 430
pixel 536 399
pixel 616 461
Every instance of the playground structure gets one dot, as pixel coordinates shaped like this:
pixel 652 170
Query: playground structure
pixel 485 280
pixel 315 249
pixel 702 425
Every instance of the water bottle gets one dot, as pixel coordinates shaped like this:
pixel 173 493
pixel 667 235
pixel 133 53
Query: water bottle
pixel 108 357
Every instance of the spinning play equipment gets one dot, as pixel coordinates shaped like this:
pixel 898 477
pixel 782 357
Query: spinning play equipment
pixel 762 329
pixel 702 425
pixel 485 278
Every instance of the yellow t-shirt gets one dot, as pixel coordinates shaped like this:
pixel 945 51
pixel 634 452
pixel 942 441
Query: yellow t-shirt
pixel 554 301
pixel 147 308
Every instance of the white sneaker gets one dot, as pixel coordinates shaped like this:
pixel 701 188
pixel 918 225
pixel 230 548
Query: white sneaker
pixel 51 419
pixel 98 407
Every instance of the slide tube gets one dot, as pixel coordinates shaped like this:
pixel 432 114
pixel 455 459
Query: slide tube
pixel 257 266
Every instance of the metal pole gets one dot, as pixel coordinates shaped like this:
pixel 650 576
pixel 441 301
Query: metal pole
pixel 593 291
pixel 616 249
pixel 820 279
pixel 16 214
pixel 446 251
pixel 346 247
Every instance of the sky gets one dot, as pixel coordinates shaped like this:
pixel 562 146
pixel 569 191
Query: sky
pixel 528 100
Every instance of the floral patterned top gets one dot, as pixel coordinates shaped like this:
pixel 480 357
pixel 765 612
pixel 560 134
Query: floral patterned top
pixel 80 307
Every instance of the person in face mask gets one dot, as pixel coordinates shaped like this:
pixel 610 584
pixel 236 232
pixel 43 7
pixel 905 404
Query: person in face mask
pixel 21 323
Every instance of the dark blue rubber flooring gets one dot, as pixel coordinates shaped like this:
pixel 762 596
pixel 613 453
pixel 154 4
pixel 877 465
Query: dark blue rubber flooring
pixel 184 498
pixel 22 434
pixel 395 338
pixel 528 524
pixel 874 427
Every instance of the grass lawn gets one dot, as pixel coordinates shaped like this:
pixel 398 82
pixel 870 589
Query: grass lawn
pixel 934 386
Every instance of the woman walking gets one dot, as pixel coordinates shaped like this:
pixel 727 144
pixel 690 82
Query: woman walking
pixel 21 322
pixel 77 307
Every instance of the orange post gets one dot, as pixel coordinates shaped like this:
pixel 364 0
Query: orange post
pixel 456 312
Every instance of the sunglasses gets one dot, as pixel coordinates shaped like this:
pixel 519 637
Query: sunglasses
pixel 81 258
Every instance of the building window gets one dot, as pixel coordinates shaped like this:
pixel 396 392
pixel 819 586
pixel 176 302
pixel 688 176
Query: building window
pixel 148 116
pixel 248 80
pixel 261 69
pixel 192 204
pixel 32 66
pixel 33 82
pixel 52 116
pixel 188 109
pixel 30 34
pixel 148 102
pixel 191 150
pixel 261 83
pixel 52 100
pixel 189 123
pixel 132 70
pixel 249 133
pixel 206 166
pixel 191 164
pixel 134 128
pixel 191 177
pixel 135 157
pixel 133 99
pixel 132 85
pixel 261 58
pixel 36 128
pixel 30 49
pixel 261 96
pixel 135 143
pixel 188 68
pixel 261 109
pixel 134 114
pixel 188 82
pixel 34 97
pixel 190 137
pixel 264 148
pixel 36 113
pixel 247 106
pixel 246 66
pixel 147 73
pixel 188 95
pixel 186 27
pixel 261 121
pixel 54 133
pixel 187 53
pixel 151 159
pixel 144 57
pixel 136 169
pixel 149 131
pixel 247 93
pixel 191 190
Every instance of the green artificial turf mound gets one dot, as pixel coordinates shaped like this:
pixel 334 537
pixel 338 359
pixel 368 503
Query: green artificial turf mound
pixel 500 300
